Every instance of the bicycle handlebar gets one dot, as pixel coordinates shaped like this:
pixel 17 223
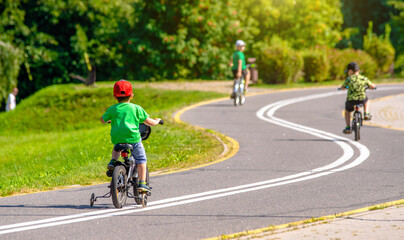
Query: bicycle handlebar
pixel 339 89
pixel 161 122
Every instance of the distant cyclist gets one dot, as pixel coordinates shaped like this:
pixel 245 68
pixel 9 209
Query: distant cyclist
pixel 238 64
pixel 356 85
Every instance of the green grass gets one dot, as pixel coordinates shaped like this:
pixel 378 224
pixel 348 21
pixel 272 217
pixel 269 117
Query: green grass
pixel 54 138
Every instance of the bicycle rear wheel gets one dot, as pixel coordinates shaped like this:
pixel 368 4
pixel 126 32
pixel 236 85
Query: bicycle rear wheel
pixel 357 127
pixel 118 187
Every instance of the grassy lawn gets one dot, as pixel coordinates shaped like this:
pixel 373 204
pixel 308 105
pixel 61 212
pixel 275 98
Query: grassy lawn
pixel 54 138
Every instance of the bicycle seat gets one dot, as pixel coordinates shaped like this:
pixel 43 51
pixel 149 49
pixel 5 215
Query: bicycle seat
pixel 122 146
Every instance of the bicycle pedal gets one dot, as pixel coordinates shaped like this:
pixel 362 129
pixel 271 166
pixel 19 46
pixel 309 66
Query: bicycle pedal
pixel 144 191
pixel 109 173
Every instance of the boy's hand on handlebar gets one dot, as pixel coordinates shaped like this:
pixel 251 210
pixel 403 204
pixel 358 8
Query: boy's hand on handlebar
pixel 153 122
pixel 158 120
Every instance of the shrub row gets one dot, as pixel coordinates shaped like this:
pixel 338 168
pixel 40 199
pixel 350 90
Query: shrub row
pixel 278 63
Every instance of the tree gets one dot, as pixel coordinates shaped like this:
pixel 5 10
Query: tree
pixel 10 61
pixel 358 13
pixel 60 39
pixel 181 39
pixel 397 22
pixel 380 48
pixel 303 23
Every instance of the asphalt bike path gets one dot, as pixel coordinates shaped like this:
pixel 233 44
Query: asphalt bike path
pixel 293 164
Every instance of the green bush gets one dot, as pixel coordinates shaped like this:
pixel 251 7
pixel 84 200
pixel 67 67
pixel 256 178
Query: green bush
pixel 380 48
pixel 316 66
pixel 339 59
pixel 278 62
pixel 337 63
pixel 399 66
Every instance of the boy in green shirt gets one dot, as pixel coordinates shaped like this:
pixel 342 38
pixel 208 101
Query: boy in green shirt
pixel 356 85
pixel 238 64
pixel 125 118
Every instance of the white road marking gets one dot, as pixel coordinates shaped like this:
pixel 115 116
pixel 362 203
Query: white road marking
pixel 266 114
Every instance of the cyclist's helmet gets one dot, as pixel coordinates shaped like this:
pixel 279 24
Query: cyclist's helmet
pixel 122 88
pixel 240 43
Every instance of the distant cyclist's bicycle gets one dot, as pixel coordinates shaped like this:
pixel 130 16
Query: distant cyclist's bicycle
pixel 125 176
pixel 239 91
pixel 357 120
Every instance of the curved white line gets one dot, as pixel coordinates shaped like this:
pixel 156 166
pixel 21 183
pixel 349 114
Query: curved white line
pixel 269 117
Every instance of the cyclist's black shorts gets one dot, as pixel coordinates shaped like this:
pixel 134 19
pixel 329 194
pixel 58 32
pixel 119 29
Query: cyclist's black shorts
pixel 349 105
pixel 243 72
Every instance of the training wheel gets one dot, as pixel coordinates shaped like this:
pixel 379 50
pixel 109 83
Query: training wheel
pixel 144 199
pixel 92 200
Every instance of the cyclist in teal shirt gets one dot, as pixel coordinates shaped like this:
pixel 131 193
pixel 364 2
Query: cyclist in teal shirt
pixel 238 64
pixel 125 118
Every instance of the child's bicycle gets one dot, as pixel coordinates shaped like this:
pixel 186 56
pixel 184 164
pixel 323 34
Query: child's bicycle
pixel 357 120
pixel 125 176
pixel 239 91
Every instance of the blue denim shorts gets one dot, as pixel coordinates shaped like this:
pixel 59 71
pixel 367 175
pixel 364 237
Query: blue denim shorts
pixel 139 153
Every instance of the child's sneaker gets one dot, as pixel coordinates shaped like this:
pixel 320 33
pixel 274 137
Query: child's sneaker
pixel 367 117
pixel 347 130
pixel 111 164
pixel 143 186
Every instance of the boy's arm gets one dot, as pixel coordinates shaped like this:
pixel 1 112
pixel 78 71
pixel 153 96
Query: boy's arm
pixel 370 84
pixel 240 65
pixel 102 120
pixel 152 122
pixel 231 62
pixel 344 85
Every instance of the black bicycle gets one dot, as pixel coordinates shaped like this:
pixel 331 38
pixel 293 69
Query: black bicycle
pixel 125 176
pixel 357 119
pixel 239 91
pixel 357 122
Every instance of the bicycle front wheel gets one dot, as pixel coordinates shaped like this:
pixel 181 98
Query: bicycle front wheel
pixel 242 98
pixel 236 97
pixel 118 187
